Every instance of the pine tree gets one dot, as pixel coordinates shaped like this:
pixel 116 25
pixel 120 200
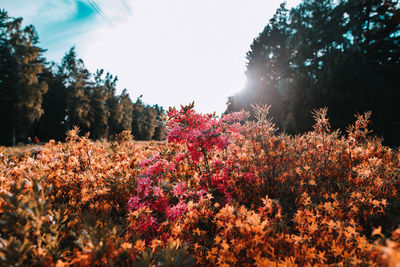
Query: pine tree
pixel 268 68
pixel 127 110
pixel 77 82
pixel 138 119
pixel 53 123
pixel 99 112
pixel 341 54
pixel 160 130
pixel 21 91
pixel 145 121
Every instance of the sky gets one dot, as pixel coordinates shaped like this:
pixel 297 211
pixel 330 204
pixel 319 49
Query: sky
pixel 172 52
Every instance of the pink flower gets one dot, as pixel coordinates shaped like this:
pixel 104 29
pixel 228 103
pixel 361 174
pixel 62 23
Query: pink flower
pixel 158 169
pixel 180 156
pixel 157 191
pixel 144 163
pixel 201 193
pixel 134 203
pixel 233 116
pixel 179 190
pixel 176 211
pixel 144 186
pixel 146 223
pixel 201 133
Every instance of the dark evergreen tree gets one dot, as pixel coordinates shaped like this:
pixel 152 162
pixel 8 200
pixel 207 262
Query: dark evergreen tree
pixel 150 123
pixel 113 105
pixel 127 110
pixel 138 119
pixel 160 130
pixel 99 112
pixel 21 91
pixel 77 81
pixel 72 99
pixel 145 122
pixel 339 54
pixel 268 68
pixel 53 123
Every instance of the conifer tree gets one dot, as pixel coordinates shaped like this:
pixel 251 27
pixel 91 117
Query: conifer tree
pixel 21 91
pixel 127 110
pixel 341 54
pixel 98 112
pixel 74 97
pixel 77 82
pixel 160 130
pixel 53 123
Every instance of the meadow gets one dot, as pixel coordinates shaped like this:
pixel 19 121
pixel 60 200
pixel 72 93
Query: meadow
pixel 221 191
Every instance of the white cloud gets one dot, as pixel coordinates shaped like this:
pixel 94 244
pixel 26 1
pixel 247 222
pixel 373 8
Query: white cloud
pixel 171 52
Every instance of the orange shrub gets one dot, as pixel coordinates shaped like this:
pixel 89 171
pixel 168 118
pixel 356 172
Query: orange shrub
pixel 219 192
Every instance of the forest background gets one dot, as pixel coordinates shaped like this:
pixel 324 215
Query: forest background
pixel 340 54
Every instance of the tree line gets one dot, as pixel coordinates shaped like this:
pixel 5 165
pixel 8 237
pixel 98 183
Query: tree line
pixel 344 55
pixel 43 99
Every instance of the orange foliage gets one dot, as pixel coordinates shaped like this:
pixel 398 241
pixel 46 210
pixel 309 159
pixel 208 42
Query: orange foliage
pixel 226 192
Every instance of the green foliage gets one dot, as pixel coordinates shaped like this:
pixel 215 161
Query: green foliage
pixel 174 254
pixel 31 230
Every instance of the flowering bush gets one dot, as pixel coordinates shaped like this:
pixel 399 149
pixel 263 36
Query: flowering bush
pixel 220 191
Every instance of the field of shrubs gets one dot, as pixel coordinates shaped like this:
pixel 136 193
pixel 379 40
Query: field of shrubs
pixel 221 191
